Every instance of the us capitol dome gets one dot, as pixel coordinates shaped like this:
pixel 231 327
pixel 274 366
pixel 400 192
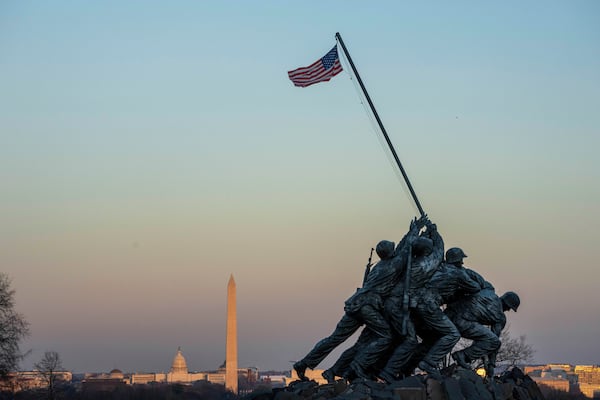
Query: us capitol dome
pixel 178 373
pixel 179 365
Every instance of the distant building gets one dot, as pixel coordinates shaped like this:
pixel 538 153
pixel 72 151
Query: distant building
pixel 104 382
pixel 553 376
pixel 27 380
pixel 274 381
pixel 179 373
pixel 583 379
pixel 589 380
pixel 144 378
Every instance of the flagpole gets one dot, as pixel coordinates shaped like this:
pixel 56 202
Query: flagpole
pixel 385 135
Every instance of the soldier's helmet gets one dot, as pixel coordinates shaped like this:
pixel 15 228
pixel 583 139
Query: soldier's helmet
pixel 512 300
pixel 423 245
pixel 454 254
pixel 385 249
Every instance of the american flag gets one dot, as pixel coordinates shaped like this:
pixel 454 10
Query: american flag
pixel 321 70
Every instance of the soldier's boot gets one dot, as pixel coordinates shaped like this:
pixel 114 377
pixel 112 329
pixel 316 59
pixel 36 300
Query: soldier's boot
pixel 329 375
pixel 462 359
pixel 431 369
pixel 387 376
pixel 349 375
pixel 359 372
pixel 300 368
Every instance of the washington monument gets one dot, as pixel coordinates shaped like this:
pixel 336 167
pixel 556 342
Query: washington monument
pixel 231 360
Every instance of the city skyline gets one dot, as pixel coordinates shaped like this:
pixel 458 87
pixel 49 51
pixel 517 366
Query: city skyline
pixel 149 151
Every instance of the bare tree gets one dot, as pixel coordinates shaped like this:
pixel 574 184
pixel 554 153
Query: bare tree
pixel 13 328
pixel 48 367
pixel 460 345
pixel 514 350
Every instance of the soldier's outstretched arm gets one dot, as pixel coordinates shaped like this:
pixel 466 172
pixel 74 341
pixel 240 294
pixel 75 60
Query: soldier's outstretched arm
pixel 413 232
pixel 437 253
pixel 468 285
pixel 479 279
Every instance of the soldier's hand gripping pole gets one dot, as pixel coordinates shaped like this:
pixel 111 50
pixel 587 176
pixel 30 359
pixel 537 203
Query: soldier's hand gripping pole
pixel 368 267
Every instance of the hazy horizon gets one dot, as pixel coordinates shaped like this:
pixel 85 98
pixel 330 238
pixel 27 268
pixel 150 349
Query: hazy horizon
pixel 148 151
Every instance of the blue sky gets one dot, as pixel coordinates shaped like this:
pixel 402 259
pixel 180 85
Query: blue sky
pixel 150 149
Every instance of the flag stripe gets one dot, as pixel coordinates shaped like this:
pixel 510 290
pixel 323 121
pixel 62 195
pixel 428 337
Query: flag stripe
pixel 321 70
pixel 313 72
pixel 317 76
pixel 320 77
pixel 303 70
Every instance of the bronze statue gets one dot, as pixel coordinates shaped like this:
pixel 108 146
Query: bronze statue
pixel 365 306
pixel 425 263
pixel 400 306
pixel 448 283
pixel 481 318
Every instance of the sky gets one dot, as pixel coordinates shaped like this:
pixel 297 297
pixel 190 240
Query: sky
pixel 150 149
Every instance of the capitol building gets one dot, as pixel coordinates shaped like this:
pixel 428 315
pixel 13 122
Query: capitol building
pixel 177 374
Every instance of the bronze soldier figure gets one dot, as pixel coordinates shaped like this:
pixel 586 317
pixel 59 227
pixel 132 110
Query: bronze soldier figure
pixel 365 306
pixel 439 335
pixel 425 263
pixel 481 318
